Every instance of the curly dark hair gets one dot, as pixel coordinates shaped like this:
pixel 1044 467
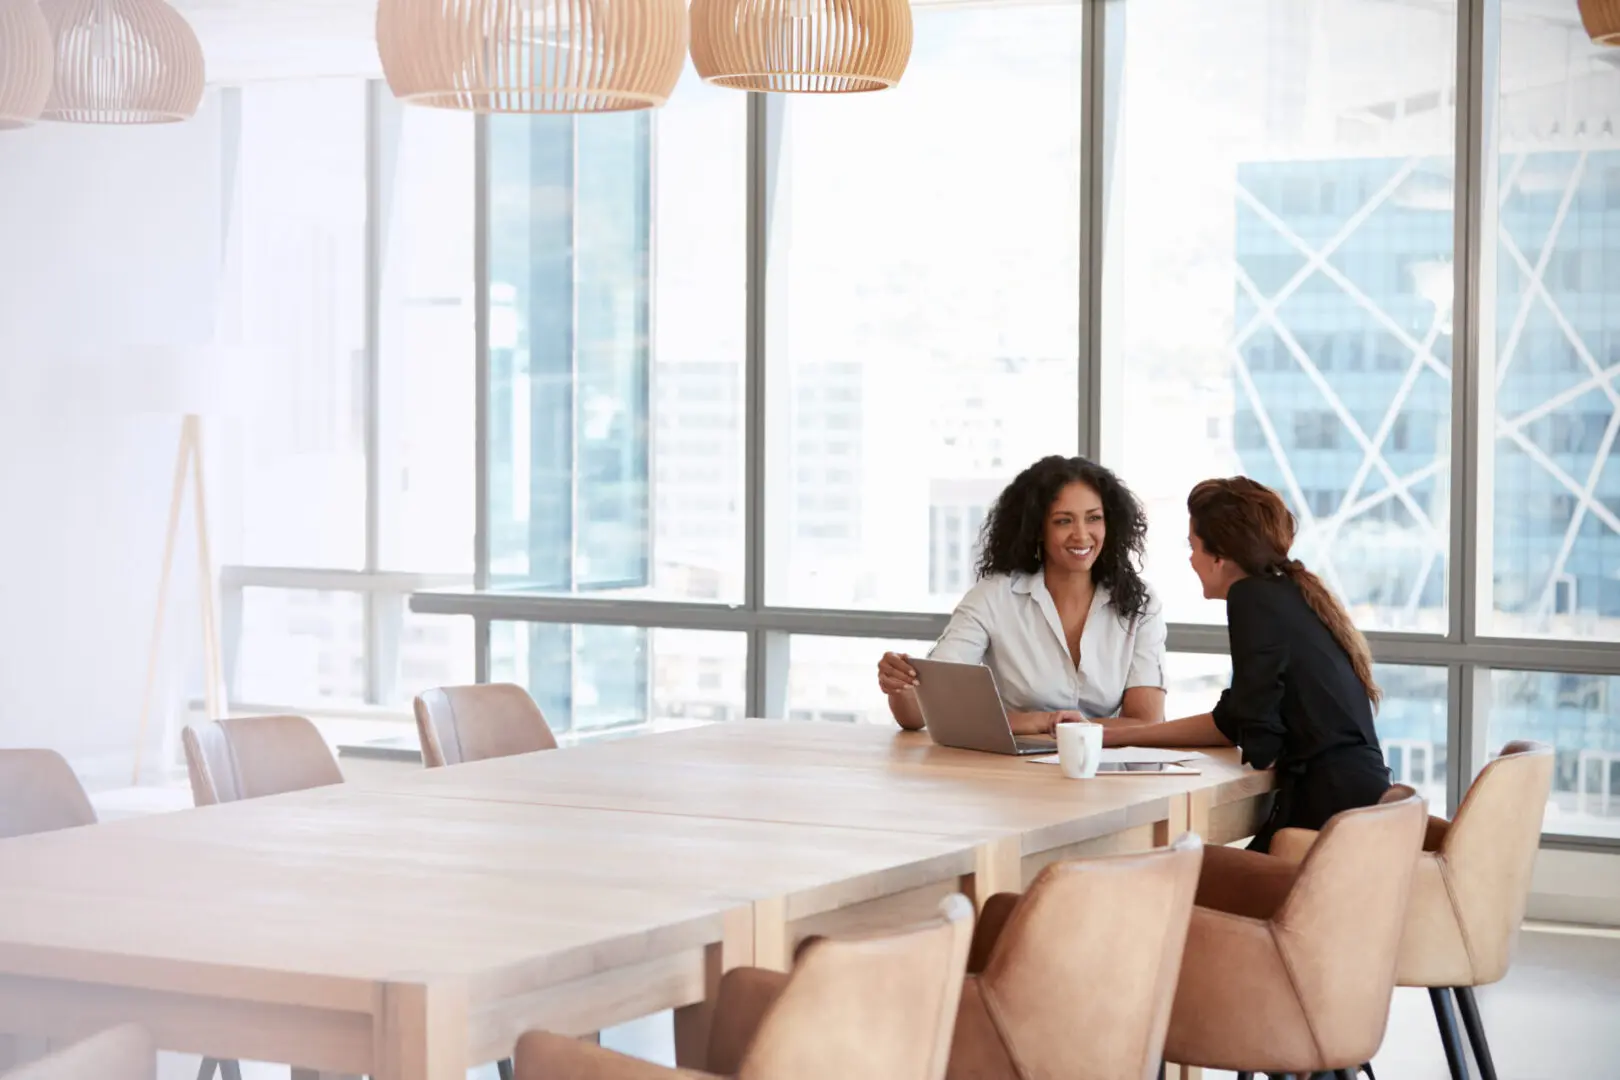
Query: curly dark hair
pixel 1014 533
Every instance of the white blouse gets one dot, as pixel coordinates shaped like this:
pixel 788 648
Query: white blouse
pixel 1010 624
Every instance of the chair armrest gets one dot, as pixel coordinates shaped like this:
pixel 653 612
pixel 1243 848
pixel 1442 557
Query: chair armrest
pixel 1232 980
pixel 746 995
pixel 1244 883
pixel 997 910
pixel 1291 845
pixel 544 1056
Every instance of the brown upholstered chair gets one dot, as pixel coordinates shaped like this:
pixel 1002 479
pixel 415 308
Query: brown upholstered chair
pixel 39 793
pixel 879 1007
pixel 1075 978
pixel 471 723
pixel 1469 892
pixel 121 1053
pixel 1290 967
pixel 249 757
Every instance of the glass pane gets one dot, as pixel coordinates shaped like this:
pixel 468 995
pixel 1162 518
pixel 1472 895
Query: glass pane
pixel 1412 727
pixel 1556 477
pixel 1579 716
pixel 1278 283
pixel 924 270
pixel 295 263
pixel 433 650
pixel 298 647
pixel 427 340
pixel 617 262
pixel 835 678
pixel 1411 722
pixel 1193 682
pixel 597 678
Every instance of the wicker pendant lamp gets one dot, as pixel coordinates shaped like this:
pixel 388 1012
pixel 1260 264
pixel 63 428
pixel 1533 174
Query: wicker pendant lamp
pixel 802 46
pixel 123 62
pixel 1602 20
pixel 532 56
pixel 25 63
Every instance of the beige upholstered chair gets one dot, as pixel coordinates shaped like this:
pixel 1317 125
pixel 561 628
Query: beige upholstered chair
pixel 1469 892
pixel 1289 968
pixel 39 793
pixel 121 1053
pixel 471 723
pixel 1075 978
pixel 870 1008
pixel 252 756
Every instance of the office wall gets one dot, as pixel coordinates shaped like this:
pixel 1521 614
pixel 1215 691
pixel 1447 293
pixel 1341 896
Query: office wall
pixel 110 255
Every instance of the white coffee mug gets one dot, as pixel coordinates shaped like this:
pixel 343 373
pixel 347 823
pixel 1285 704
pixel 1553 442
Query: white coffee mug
pixel 1079 749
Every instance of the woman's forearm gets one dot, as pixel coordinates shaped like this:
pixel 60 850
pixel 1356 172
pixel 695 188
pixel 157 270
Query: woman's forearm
pixel 1197 730
pixel 906 711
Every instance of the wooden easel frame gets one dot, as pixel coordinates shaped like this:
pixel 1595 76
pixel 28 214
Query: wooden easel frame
pixel 188 461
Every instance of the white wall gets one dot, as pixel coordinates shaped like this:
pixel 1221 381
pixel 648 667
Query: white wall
pixel 109 255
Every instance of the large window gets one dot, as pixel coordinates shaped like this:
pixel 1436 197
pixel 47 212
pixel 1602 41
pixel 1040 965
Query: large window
pixel 1579 716
pixel 1555 544
pixel 344 455
pixel 923 334
pixel 592 679
pixel 758 367
pixel 296 261
pixel 1278 301
pixel 616 270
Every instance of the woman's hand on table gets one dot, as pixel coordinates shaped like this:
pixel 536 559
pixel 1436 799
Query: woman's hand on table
pixel 1043 723
pixel 895 673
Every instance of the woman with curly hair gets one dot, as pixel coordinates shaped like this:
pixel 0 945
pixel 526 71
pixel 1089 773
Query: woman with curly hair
pixel 1060 614
pixel 1302 693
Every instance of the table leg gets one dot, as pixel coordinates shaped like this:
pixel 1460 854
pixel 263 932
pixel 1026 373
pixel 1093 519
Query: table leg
pixel 737 948
pixel 421 1032
pixel 1188 813
pixel 997 867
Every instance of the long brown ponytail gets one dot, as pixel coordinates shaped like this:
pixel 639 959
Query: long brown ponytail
pixel 1247 522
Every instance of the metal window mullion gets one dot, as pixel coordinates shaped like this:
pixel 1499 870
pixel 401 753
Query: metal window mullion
pixel 754 376
pixel 1093 209
pixel 1472 366
pixel 375 677
pixel 481 370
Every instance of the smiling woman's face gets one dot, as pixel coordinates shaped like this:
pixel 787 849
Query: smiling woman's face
pixel 1075 529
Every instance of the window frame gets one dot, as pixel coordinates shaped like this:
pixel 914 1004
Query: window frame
pixel 1467 655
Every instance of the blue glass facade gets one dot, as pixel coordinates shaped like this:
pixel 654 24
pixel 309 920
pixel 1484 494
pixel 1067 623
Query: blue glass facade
pixel 569 397
pixel 1343 403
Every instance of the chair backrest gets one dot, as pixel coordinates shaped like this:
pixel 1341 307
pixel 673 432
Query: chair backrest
pixel 1339 930
pixel 1490 853
pixel 1082 978
pixel 471 723
pixel 120 1053
pixel 880 1007
pixel 251 756
pixel 39 793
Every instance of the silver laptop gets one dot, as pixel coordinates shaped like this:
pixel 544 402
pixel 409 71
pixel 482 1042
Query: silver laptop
pixel 962 708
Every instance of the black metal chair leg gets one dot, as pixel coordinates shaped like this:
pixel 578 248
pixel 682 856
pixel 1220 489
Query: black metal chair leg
pixel 1367 1068
pixel 1245 1076
pixel 205 1071
pixel 1446 1020
pixel 505 1067
pixel 230 1070
pixel 1476 1032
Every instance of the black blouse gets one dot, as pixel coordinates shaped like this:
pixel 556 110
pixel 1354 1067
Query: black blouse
pixel 1294 694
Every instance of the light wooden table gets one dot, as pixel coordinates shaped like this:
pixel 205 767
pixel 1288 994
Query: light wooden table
pixel 412 928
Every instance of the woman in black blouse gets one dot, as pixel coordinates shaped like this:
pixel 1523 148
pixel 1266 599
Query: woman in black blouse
pixel 1302 694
